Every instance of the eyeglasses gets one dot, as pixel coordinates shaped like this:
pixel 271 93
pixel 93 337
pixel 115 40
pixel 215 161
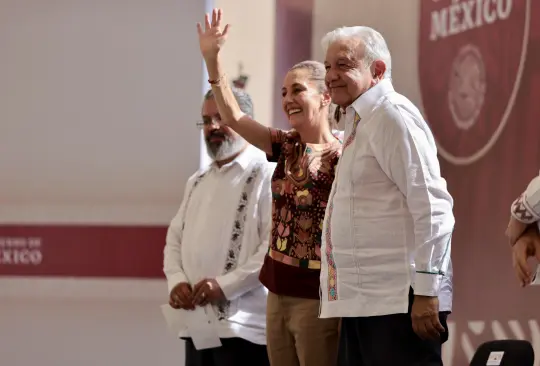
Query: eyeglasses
pixel 208 121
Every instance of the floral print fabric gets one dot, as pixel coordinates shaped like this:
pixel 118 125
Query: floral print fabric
pixel 301 186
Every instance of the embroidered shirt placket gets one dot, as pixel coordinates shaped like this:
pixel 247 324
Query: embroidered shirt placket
pixel 332 292
pixel 351 202
pixel 237 234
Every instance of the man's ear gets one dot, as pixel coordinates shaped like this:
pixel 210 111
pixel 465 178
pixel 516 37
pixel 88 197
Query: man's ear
pixel 378 69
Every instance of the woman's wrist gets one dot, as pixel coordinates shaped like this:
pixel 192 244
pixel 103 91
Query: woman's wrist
pixel 211 58
pixel 212 66
pixel 217 81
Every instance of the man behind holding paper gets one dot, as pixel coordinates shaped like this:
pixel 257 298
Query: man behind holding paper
pixel 216 246
pixel 523 233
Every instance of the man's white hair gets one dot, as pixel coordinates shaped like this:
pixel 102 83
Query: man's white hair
pixel 375 45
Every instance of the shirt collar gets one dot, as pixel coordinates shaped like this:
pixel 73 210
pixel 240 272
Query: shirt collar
pixel 364 104
pixel 243 160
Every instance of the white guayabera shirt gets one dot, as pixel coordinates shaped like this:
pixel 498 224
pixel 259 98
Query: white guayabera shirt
pixel 389 219
pixel 221 231
pixel 526 208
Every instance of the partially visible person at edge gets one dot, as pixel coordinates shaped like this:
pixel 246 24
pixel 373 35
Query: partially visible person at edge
pixel 386 244
pixel 306 158
pixel 522 231
pixel 216 244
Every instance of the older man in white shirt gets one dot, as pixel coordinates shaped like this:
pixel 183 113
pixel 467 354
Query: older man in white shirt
pixel 522 231
pixel 386 261
pixel 217 242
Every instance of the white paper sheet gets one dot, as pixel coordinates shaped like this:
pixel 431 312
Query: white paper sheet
pixel 201 328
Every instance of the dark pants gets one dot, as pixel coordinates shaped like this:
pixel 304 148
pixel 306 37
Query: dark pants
pixel 233 352
pixel 388 340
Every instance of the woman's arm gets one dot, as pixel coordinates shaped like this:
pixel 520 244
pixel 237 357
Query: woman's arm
pixel 211 40
pixel 254 132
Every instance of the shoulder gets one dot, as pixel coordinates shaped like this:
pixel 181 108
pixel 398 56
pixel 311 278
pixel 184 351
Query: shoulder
pixel 266 175
pixel 260 166
pixel 269 168
pixel 283 136
pixel 197 176
pixel 395 114
pixel 398 122
pixel 333 151
pixel 265 169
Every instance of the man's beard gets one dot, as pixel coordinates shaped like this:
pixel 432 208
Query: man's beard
pixel 224 149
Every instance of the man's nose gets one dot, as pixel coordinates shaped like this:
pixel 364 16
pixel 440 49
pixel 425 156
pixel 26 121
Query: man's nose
pixel 331 75
pixel 214 126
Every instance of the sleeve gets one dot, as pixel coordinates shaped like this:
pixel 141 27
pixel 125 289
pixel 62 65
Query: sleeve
pixel 172 254
pixel 277 139
pixel 446 292
pixel 406 151
pixel 526 208
pixel 246 276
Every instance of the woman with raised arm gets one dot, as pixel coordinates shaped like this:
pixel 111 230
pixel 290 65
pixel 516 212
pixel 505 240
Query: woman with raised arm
pixel 306 158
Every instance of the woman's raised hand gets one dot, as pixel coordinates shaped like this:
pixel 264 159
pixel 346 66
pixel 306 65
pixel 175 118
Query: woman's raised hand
pixel 212 37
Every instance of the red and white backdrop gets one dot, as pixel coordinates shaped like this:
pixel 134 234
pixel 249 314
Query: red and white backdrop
pixel 97 139
pixel 99 111
pixel 98 134
pixel 99 105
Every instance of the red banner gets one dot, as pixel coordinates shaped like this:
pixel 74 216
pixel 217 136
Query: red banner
pixel 479 67
pixel 82 251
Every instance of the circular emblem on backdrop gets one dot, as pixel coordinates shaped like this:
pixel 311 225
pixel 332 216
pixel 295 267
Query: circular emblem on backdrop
pixel 467 87
pixel 471 61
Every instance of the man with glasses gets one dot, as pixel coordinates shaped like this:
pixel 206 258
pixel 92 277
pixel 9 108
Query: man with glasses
pixel 217 241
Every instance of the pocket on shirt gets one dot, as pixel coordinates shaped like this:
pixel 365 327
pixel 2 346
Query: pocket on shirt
pixel 367 170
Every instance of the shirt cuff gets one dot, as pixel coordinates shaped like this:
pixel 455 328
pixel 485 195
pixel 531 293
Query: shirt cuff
pixel 229 285
pixel 175 279
pixel 522 212
pixel 427 284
